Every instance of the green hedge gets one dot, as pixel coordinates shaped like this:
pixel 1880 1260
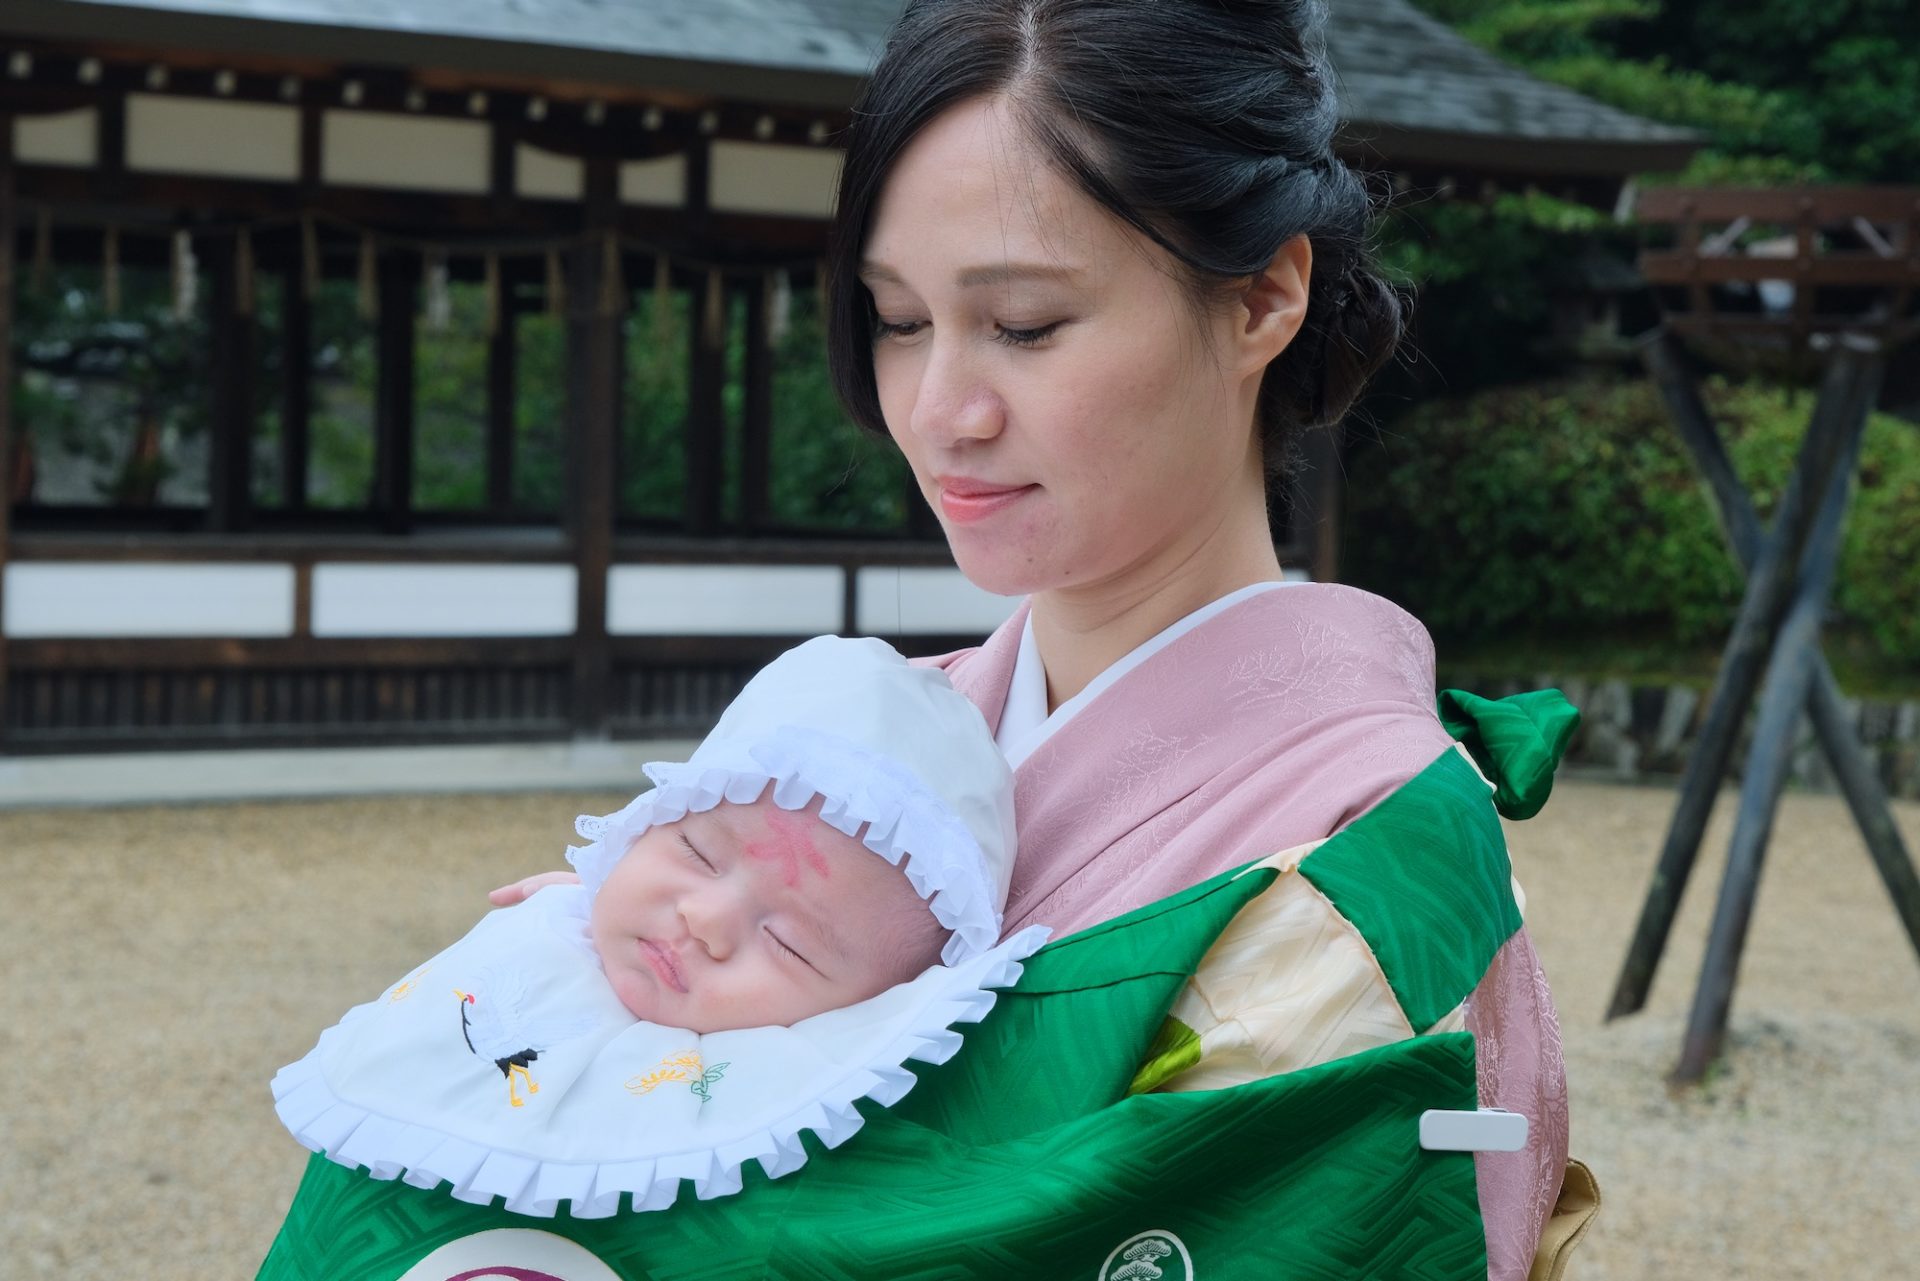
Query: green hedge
pixel 1570 510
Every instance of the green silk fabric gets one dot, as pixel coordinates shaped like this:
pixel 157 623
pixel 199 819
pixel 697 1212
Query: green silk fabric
pixel 1517 742
pixel 1024 1156
pixel 1424 877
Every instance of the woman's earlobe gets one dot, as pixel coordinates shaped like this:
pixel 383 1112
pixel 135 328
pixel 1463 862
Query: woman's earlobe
pixel 1276 300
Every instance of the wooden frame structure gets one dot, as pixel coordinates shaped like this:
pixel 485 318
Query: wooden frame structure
pixel 289 141
pixel 1774 646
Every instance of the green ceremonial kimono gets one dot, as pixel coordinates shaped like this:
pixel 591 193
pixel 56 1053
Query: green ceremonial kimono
pixel 1026 1155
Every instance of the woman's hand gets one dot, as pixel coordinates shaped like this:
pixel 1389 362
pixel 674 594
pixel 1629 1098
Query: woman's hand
pixel 526 888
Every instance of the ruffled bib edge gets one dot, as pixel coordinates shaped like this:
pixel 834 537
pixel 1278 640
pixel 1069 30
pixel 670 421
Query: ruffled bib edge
pixel 425 1157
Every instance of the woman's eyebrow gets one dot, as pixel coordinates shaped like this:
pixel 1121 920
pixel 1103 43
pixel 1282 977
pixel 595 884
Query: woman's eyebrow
pixel 979 277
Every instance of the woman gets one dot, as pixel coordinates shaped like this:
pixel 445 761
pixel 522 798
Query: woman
pixel 1096 269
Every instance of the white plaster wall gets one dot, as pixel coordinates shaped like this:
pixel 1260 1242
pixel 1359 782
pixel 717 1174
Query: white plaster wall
pixel 925 601
pixel 117 599
pixel 69 138
pixel 724 600
pixel 767 177
pixel 547 175
pixel 223 139
pixel 385 149
pixel 443 600
pixel 654 182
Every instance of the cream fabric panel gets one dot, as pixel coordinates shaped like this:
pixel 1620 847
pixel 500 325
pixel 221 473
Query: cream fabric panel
pixel 548 175
pixel 1289 984
pixel 53 598
pixel 385 149
pixel 654 182
pixel 224 139
pixel 925 601
pixel 767 177
pixel 69 138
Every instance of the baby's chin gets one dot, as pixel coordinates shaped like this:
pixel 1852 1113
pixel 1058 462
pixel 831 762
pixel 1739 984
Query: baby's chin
pixel 689 1014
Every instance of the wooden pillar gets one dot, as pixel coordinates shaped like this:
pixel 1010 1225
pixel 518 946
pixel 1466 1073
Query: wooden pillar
pixel 756 436
pixel 1317 510
pixel 594 371
pixel 399 276
pixel 502 360
pixel 706 426
pixel 706 423
pixel 296 385
pixel 6 387
pixel 230 439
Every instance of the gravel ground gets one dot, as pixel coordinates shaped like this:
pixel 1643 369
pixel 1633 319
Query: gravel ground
pixel 163 962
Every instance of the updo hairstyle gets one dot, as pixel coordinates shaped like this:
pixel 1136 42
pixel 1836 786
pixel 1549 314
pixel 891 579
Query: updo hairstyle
pixel 1206 125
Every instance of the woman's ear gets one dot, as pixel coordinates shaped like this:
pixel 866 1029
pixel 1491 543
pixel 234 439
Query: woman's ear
pixel 1275 303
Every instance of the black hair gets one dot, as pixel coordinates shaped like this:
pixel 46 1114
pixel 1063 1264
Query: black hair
pixel 1206 125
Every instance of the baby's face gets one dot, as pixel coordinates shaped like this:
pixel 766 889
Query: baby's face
pixel 751 915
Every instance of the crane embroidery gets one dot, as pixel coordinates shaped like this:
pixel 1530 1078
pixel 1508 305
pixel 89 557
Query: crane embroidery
pixel 498 1029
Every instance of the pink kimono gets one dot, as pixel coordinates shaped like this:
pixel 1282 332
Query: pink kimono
pixel 1273 724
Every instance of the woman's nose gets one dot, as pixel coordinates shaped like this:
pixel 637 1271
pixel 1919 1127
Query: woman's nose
pixel 954 403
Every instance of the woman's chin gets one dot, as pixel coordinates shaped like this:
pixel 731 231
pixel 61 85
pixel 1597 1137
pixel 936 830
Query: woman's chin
pixel 1001 571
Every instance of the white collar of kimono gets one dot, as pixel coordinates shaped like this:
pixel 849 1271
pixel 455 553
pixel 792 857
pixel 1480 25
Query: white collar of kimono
pixel 1025 722
pixel 419 1084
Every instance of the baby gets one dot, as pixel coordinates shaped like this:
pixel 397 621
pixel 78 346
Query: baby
pixel 756 943
pixel 750 915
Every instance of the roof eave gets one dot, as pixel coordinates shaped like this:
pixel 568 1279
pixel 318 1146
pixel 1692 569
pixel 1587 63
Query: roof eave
pixel 1397 145
pixel 485 59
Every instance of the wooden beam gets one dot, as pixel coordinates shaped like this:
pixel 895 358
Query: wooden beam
pixel 174 654
pixel 502 393
pixel 1315 509
pixel 706 424
pixel 399 276
pixel 296 385
pixel 110 144
pixel 594 373
pixel 684 231
pixel 6 387
pixel 756 435
pixel 229 448
pixel 310 151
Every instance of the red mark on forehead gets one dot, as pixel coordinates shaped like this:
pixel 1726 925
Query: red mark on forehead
pixel 791 846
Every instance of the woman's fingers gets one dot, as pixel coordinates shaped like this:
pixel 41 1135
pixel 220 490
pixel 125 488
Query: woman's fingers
pixel 527 887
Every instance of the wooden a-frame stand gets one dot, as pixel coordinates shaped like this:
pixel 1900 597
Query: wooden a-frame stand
pixel 1774 648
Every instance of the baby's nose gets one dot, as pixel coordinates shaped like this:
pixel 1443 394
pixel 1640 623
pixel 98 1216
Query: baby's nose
pixel 712 924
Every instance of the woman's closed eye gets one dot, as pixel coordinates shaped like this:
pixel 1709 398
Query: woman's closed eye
pixel 1012 337
pixel 883 329
pixel 1005 335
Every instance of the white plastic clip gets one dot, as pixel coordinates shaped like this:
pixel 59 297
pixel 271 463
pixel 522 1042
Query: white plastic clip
pixel 1486 1130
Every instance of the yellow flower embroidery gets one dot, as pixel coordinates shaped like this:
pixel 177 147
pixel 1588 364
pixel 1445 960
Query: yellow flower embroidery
pixel 685 1066
pixel 405 988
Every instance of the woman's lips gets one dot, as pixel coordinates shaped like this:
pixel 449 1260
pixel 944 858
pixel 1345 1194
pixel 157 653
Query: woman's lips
pixel 663 965
pixel 966 501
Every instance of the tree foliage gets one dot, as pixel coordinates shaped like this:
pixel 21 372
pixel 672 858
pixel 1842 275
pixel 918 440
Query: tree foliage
pixel 1785 90
pixel 1568 509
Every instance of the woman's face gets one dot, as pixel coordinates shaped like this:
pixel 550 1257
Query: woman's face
pixel 1064 411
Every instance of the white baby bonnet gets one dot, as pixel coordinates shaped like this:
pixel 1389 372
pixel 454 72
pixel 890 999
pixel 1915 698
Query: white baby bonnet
pixel 891 747
pixel 419 1084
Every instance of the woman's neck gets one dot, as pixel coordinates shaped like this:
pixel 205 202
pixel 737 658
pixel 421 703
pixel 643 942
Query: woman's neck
pixel 1083 630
